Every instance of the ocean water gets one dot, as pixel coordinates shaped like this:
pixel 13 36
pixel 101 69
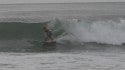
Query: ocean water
pixel 89 36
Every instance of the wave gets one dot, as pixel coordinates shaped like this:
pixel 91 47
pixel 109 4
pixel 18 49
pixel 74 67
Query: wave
pixel 73 30
pixel 69 33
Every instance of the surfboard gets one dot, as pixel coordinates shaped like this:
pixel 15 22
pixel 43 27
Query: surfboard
pixel 49 42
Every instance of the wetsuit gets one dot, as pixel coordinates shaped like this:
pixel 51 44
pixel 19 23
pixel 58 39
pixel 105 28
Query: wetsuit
pixel 48 33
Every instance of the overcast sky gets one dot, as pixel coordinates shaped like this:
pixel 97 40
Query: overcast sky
pixel 55 1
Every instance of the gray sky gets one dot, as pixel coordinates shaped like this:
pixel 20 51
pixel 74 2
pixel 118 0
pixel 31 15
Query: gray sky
pixel 54 1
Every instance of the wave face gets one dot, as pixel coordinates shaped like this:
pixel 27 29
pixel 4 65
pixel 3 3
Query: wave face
pixel 18 30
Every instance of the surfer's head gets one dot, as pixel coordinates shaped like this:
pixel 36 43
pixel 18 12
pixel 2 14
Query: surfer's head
pixel 45 29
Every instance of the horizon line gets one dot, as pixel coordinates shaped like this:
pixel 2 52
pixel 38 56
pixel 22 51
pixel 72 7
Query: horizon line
pixel 60 3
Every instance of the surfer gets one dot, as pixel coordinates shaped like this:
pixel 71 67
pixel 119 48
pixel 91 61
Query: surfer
pixel 47 34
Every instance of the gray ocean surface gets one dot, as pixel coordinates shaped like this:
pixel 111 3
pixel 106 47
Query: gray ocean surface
pixel 89 36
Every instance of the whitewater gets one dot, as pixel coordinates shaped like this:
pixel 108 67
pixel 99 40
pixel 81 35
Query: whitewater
pixel 89 36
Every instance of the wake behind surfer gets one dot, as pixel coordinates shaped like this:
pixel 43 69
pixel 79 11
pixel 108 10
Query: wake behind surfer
pixel 47 34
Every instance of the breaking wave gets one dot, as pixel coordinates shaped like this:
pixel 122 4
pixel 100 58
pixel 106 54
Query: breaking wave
pixel 106 32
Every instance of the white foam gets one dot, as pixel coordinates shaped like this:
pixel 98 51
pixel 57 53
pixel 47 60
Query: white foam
pixel 60 61
pixel 109 32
